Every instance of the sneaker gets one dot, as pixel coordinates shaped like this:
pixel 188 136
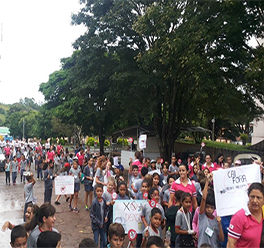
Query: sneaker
pixel 76 210
pixel 70 207
pixel 86 208
pixel 37 179
pixel 57 203
pixel 67 199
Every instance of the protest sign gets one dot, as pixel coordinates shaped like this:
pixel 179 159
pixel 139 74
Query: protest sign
pixel 64 185
pixel 128 213
pixel 230 187
pixel 142 141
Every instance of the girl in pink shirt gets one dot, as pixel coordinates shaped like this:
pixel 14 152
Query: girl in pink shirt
pixel 183 183
pixel 50 155
pixel 219 161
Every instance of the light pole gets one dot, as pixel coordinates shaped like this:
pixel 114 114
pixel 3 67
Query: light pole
pixel 23 128
pixel 213 121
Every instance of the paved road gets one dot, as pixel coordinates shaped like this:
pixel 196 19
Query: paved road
pixel 73 227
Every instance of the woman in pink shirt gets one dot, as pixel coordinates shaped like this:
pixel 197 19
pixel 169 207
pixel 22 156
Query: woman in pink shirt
pixel 245 227
pixel 50 154
pixel 208 163
pixel 138 160
pixel 183 183
pixel 218 163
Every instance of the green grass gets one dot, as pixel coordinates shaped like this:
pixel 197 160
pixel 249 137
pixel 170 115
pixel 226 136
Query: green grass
pixel 219 145
pixel 227 146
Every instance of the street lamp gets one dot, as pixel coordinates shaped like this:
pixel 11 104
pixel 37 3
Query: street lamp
pixel 23 128
pixel 213 121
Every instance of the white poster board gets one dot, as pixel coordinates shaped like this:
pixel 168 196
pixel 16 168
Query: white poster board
pixel 64 185
pixel 115 160
pixel 142 141
pixel 230 187
pixel 128 213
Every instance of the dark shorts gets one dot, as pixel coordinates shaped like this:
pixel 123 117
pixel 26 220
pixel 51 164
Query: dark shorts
pixel 76 187
pixel 88 187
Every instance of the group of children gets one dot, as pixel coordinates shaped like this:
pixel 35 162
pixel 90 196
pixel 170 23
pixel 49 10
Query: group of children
pixel 39 232
pixel 105 183
pixel 189 227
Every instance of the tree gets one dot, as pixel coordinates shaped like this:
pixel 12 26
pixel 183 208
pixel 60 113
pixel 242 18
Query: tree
pixel 89 103
pixel 183 62
pixel 29 103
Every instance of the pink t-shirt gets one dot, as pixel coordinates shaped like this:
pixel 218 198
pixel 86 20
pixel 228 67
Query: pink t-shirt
pixel 245 228
pixel 211 168
pixel 7 151
pixel 218 166
pixel 80 158
pixel 38 149
pixel 177 185
pixel 59 149
pixel 50 155
pixel 136 162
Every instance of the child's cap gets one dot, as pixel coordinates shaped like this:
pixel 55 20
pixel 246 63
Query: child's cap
pixel 120 166
pixel 153 161
pixel 238 162
pixel 67 165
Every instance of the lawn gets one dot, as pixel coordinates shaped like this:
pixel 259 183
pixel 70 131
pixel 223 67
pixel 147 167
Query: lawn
pixel 220 145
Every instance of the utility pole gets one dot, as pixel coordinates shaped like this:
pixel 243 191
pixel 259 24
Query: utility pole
pixel 23 129
pixel 213 121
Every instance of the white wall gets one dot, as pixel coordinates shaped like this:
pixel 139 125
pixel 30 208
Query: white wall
pixel 258 132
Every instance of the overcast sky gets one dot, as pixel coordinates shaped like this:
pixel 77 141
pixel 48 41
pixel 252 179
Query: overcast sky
pixel 36 34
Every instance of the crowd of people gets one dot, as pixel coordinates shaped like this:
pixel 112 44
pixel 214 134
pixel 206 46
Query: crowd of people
pixel 179 199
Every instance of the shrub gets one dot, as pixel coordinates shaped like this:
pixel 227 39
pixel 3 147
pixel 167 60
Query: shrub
pixel 53 141
pixel 106 143
pixel 120 141
pixel 62 141
pixel 90 141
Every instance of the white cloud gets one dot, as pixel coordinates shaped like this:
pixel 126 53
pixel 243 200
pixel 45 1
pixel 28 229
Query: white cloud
pixel 36 35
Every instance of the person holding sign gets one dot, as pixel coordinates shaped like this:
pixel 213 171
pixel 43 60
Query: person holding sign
pixel 153 228
pixel 210 228
pixel 75 171
pixel 245 229
pixel 149 205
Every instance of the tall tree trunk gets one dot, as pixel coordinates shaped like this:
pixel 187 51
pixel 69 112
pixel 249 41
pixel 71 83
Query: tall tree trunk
pixel 101 140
